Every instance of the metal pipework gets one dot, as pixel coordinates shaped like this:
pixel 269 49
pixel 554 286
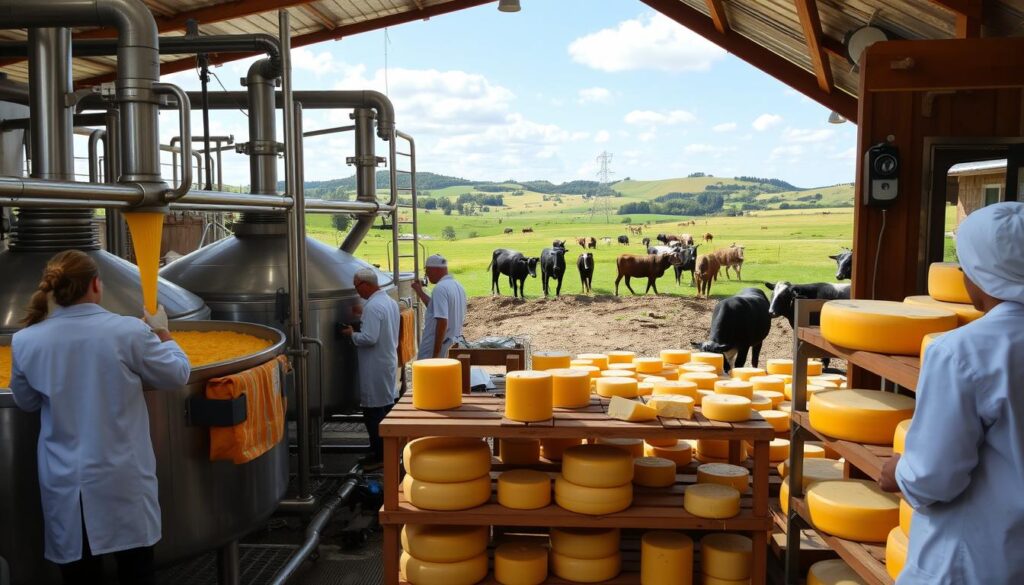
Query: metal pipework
pixel 95 137
pixel 51 120
pixel 365 161
pixel 262 147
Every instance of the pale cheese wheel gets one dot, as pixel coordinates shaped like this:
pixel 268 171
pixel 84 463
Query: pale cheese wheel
pixel 718 449
pixel 780 366
pixel 812 389
pixel 528 396
pixel 447 459
pixel 786 378
pixel 710 358
pixel 420 572
pixel 777 418
pixel 895 552
pixel 650 378
pixel 618 374
pixel 445 497
pixel 702 394
pixel 785 406
pixel 837 378
pixel 735 387
pixel 580 362
pixel 648 365
pixel 694 367
pixel 682 387
pixel 630 410
pixel 675 357
pixel 599 359
pixel 550 360
pixel 882 326
pixel 734 476
pixel 864 416
pixel 672 405
pixel 853 509
pixel 514 451
pixel 585 543
pixel 899 437
pixel 598 466
pixel 592 501
pixel 631 367
pixel 703 380
pixel 620 357
pixel 444 544
pixel 592 371
pixel 436 384
pixel 644 388
pixel 726 408
pixel 926 341
pixel 623 387
pixel 669 373
pixel 711 500
pixel 816 469
pixel 570 388
pixel 681 453
pixel 823 383
pixel 775 397
pixel 814 367
pixel 654 472
pixel 814 451
pixel 746 374
pixel 524 489
pixel 778 450
pixel 771 382
pixel 965 312
pixel 661 441
pixel 586 570
pixel 833 572
pixel 726 555
pixel 552 449
pixel 760 403
pixel 517 563
pixel 666 558
pixel 635 447
pixel 946 283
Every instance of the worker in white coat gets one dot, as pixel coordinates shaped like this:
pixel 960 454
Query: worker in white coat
pixel 963 466
pixel 446 309
pixel 84 368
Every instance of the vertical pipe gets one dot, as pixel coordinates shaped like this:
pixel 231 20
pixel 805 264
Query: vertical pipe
pixel 51 122
pixel 228 568
pixel 262 131
pixel 366 176
pixel 116 228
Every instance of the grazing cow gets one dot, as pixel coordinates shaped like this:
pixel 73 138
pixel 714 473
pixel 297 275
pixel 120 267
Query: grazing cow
pixel 686 239
pixel 592 243
pixel 508 230
pixel 516 266
pixel 585 264
pixel 708 237
pixel 844 264
pixel 636 230
pixel 689 259
pixel 558 244
pixel 706 271
pixel 646 242
pixel 764 227
pixel 739 323
pixel 651 267
pixel 784 295
pixel 581 242
pixel 731 257
pixel 552 265
pixel 528 230
pixel 607 241
pixel 624 240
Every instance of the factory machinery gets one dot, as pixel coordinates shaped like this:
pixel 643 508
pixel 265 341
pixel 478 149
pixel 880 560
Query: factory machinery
pixel 266 276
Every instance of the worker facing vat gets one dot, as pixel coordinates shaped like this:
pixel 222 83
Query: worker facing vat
pixel 84 368
pixel 446 309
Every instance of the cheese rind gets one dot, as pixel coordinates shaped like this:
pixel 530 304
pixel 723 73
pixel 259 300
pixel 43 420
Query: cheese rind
pixel 635 447
pixel 895 552
pixel 623 387
pixel 592 501
pixel 681 453
pixel 437 384
pixel 703 380
pixel 816 469
pixel 864 416
pixel 906 516
pixel 515 451
pixel 733 476
pixel 552 449
pixel 420 572
pixel 899 436
pixel 735 388
pixel 446 459
pixel 853 509
pixel 711 500
pixel 648 365
pixel 780 366
pixel 524 489
pixel 760 403
pixel 746 374
pixel 630 410
pixel 585 543
pixel 597 466
pixel 710 358
pixel 965 312
pixel 444 544
pixel 599 359
pixel 882 326
pixel 672 405
pixel 833 572
pixel 447 496
pixel 570 388
pixel 620 357
pixel 586 570
pixel 654 472
pixel 618 374
pixel 946 283
pixel 550 360
pixel 520 564
pixel 925 342
pixel 726 408
pixel 528 396
pixel 666 558
pixel 676 357
pixel 692 367
pixel 718 449
pixel 725 555
pixel 682 387
pixel 771 383
pixel 777 418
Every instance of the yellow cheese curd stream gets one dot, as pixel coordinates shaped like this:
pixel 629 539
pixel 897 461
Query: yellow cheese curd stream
pixel 5 366
pixel 146 228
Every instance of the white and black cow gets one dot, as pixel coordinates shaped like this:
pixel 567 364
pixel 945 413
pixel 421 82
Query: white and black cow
pixel 784 295
pixel 516 266
pixel 585 264
pixel 552 265
pixel 739 324
pixel 689 255
pixel 844 264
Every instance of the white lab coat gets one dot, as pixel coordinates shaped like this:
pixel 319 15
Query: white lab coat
pixel 448 301
pixel 377 350
pixel 963 467
pixel 84 368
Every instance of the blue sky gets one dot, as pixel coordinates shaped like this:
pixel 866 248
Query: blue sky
pixel 539 94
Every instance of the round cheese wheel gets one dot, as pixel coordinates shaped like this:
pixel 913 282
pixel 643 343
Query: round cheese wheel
pixel 519 451
pixel 780 366
pixel 833 572
pixel 710 358
pixel 447 459
pixel 899 438
pixel 650 378
pixel 816 469
pixel 600 360
pixel 517 563
pixel 709 580
pixel 443 497
pixel 726 555
pixel 528 396
pixel 770 383
pixel 580 362
pixel 634 447
pixel 711 500
pixel 778 450
pixel 823 383
pixel 734 476
pixel 592 501
pixel 552 449
pixel 593 371
pixel 812 389
pixel 661 441
pixel 620 357
pixel 946 283
pixel 772 395
pixel 760 403
pixel 623 387
pixel 814 451
pixel 906 516
pixel 644 388
pixel 697 367
pixel 853 509
pixel 420 572
pixel 925 342
pixel 895 552
pixel 630 366
pixel 882 326
pixel 597 466
pixel 726 408
pixel 444 544
pixel 669 373
pixel 864 416
pixel 618 374
pixel 703 380
pixel 666 558
pixel 550 360
pixel 524 489
pixel 683 387
pixel 777 418
pixel 837 378
pixel 701 394
pixel 681 453
pixel 746 374
pixel 786 378
pixel 784 496
pixel 586 570
pixel 570 388
pixel 965 312
pixel 814 367
pixel 718 449
pixel 648 365
pixel 675 357
pixel 437 384
pixel 735 387
pixel 785 406
pixel 585 543
pixel 654 472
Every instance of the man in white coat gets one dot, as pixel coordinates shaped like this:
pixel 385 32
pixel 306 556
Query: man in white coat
pixel 446 310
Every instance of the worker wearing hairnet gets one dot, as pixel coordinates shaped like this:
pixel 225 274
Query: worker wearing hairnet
pixel 446 309
pixel 963 466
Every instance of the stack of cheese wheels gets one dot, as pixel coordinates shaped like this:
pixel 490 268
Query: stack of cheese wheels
pixel 711 500
pixel 679 452
pixel 552 449
pixel 598 359
pixel 570 388
pixel 853 509
pixel 964 313
pixel 746 374
pixel 815 470
pixel 770 383
pixel 436 384
pixel 899 437
pixel 946 283
pixel 447 473
pixel 576 362
pixel 864 416
pixel 514 451
pixel 520 563
pixel 648 365
pixel 895 552
pixel 444 555
pixel 585 555
pixel 735 387
pixel 725 474
pixel 595 480
pixel 726 558
pixel 778 450
pixel 625 366
pixel 675 357
pixel 717 450
pixel 882 326
pixel 528 396
pixel 620 357
pixel 654 472
pixel 759 402
pixel 726 408
pixel 780 366
pixel 710 358
pixel 811 390
pixel 670 372
pixel 926 341
pixel 774 396
pixel 524 489
pixel 833 572
pixel 666 558
pixel 550 360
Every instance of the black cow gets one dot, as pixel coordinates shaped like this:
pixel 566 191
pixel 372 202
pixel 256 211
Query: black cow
pixel 646 242
pixel 516 266
pixel 844 264
pixel 558 244
pixel 739 323
pixel 624 240
pixel 785 293
pixel 552 265
pixel 663 238
pixel 585 264
pixel 689 255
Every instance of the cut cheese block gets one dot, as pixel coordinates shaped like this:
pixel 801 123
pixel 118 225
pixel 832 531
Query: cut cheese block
pixel 666 558
pixel 965 313
pixel 734 476
pixel 812 389
pixel 635 447
pixel 780 366
pixel 644 388
pixel 703 380
pixel 444 544
pixel 771 383
pixel 524 489
pixel 746 374
pixel 624 387
pixel 772 395
pixel 443 497
pixel 853 509
pixel 864 416
pixel 906 516
pixel 895 552
pixel 681 453
pixel 620 357
pixel 519 451
pixel 654 472
pixel 777 418
pixel 926 341
pixel 520 563
pixel 598 466
pixel 697 367
pixel 816 469
pixel 437 384
pixel 710 358
pixel 735 387
pixel 882 326
pixel 570 388
pixel 672 405
pixel 726 408
pixel 580 362
pixel 592 501
pixel 726 555
pixel 630 410
pixel 675 357
pixel 420 572
pixel 585 543
pixel 550 360
pixel 447 459
pixel 711 500
pixel 552 449
pixel 718 449
pixel 899 437
pixel 528 396
pixel 599 359
pixel 586 570
pixel 760 403
pixel 833 572
pixel 670 373
pixel 946 283
pixel 648 365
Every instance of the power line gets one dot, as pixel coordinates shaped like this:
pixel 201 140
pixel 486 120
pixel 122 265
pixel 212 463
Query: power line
pixel 602 202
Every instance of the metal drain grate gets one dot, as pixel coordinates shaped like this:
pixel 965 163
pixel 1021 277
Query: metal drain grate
pixel 259 563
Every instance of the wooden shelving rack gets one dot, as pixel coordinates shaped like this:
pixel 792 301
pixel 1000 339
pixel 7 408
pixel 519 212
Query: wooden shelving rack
pixel 897 372
pixel 482 416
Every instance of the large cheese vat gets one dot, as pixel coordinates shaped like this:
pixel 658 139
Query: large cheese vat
pixel 204 504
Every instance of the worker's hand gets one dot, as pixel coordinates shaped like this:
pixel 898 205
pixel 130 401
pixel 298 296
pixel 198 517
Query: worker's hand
pixel 417 286
pixel 357 311
pixel 887 480
pixel 157 321
pixel 346 331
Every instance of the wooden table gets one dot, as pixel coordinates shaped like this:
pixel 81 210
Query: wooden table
pixel 512 359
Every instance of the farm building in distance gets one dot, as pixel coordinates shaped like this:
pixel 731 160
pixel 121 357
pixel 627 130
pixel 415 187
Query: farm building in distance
pixel 977 184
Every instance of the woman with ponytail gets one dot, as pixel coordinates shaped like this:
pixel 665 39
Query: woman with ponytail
pixel 84 369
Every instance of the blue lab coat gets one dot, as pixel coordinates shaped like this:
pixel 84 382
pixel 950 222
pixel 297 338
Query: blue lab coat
pixel 377 349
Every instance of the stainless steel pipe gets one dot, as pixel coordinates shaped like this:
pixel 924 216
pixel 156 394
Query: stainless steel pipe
pixel 262 147
pixel 366 177
pixel 51 120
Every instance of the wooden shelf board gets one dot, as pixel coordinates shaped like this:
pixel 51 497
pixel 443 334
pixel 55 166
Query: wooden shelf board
pixel 867 559
pixel 900 369
pixel 624 578
pixel 867 458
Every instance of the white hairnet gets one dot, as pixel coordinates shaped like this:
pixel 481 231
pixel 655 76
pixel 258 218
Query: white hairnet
pixel 366 275
pixel 990 246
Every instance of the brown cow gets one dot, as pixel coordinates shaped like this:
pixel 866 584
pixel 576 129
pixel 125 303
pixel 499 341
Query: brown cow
pixel 708 236
pixel 706 272
pixel 731 257
pixel 686 239
pixel 582 242
pixel 651 267
pixel 528 230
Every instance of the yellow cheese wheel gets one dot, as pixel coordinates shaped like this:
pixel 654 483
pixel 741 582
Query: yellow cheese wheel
pixel 816 469
pixel 823 383
pixel 906 517
pixel 650 378
pixel 786 378
pixel 734 476
pixel 895 552
pixel 681 453
pixel 703 380
pixel 620 357
pixel 552 449
pixel 785 406
pixel 772 395
pixel 784 495
pixel 666 558
pixel 580 362
pixel 882 326
pixel 592 501
pixel 597 466
pixel 524 489
pixel 814 451
pixel 630 366
pixel 778 450
pixel 592 371
pixel 812 389
pixel 746 374
pixel 718 449
pixel 853 509
pixel 528 396
pixel 570 388
pixel 428 495
pixel 669 373
pixel 550 360
pixel 586 570
pixel 444 544
pixel 644 388
pixel 701 394
pixel 618 374
pixel 648 365
pixel 735 387
pixel 517 563
pixel 661 441
pixel 711 500
pixel 683 387
pixel 599 359
pixel 675 357
pixel 965 312
pixel 726 408
pixel 726 555
pixel 672 405
pixel 864 416
pixel 899 438
pixel 691 367
pixel 814 367
pixel 447 459
pixel 771 383
pixel 780 366
pixel 777 418
pixel 710 358
pixel 706 579
pixel 654 472
pixel 760 403
pixel 926 341
pixel 420 572
pixel 635 447
pixel 624 387
pixel 519 451
pixel 630 410
pixel 946 283
pixel 837 378
pixel 436 384
pixel 585 543
pixel 833 572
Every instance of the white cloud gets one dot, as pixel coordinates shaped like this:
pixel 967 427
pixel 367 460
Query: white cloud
pixel 647 136
pixel 724 127
pixel 597 95
pixel 709 149
pixel 602 136
pixel 652 41
pixel 318 63
pixel 766 121
pixel 807 135
pixel 790 153
pixel 849 155
pixel 652 118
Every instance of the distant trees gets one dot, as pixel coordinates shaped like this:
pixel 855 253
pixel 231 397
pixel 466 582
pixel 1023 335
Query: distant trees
pixel 340 222
pixel 448 233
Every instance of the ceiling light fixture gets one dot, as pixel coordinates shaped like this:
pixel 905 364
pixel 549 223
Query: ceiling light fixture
pixel 508 5
pixel 859 39
pixel 836 118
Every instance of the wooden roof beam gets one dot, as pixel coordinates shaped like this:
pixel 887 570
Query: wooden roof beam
pixel 717 11
pixel 205 15
pixel 969 14
pixel 320 17
pixel 758 56
pixel 811 23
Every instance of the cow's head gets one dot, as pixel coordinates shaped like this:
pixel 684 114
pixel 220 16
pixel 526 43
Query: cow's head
pixel 844 264
pixel 783 296
pixel 714 347
pixel 675 257
pixel 558 244
pixel 739 250
pixel 689 255
pixel 531 265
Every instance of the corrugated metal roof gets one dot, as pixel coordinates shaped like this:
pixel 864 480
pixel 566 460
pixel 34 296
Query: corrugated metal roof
pixel 977 167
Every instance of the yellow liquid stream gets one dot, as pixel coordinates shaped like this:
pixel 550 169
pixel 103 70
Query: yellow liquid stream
pixel 147 229
pixel 5 366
